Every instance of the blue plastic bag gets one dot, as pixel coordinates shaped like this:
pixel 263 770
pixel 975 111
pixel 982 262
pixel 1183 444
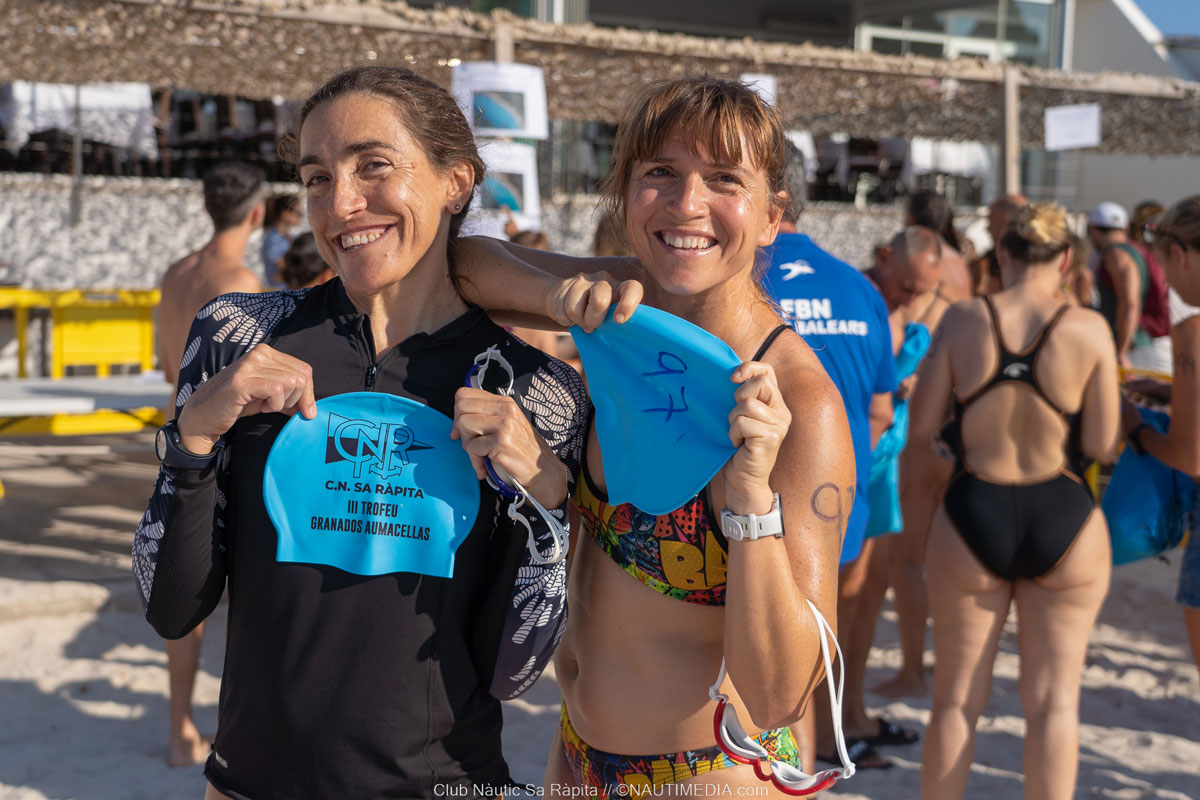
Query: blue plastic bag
pixel 662 394
pixel 1147 503
pixel 373 485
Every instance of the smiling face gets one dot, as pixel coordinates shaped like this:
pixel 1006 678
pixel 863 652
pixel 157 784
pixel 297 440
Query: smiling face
pixel 694 220
pixel 377 207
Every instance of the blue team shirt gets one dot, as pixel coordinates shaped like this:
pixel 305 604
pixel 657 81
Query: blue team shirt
pixel 844 320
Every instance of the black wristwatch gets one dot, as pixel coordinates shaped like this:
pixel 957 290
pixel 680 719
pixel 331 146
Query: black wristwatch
pixel 171 452
pixel 1134 438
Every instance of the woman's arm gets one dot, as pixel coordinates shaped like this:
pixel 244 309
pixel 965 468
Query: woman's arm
pixel 178 548
pixel 796 429
pixel 1180 447
pixel 502 276
pixel 1100 432
pixel 553 401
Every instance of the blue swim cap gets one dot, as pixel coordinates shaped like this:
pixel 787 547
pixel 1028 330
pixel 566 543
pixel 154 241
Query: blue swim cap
pixel 373 485
pixel 662 394
pixel 1148 505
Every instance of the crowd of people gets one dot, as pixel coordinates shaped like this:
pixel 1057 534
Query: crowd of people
pixel 924 426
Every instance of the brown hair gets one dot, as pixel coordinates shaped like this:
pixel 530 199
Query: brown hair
pixel 1037 233
pixel 1143 213
pixel 610 237
pixel 713 112
pixel 535 239
pixel 427 110
pixel 929 209
pixel 1181 223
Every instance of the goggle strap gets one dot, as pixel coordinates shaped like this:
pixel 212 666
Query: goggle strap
pixel 835 696
pixel 499 479
pixel 558 531
pixel 714 691
pixel 483 360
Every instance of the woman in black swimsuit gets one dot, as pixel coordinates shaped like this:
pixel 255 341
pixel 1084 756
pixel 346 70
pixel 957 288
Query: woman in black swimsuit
pixel 1030 384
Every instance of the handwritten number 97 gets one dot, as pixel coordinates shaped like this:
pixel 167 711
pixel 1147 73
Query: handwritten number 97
pixel 677 367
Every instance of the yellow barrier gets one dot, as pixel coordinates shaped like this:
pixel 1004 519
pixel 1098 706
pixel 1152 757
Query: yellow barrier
pixel 91 328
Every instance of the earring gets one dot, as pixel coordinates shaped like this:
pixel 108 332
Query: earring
pixel 457 207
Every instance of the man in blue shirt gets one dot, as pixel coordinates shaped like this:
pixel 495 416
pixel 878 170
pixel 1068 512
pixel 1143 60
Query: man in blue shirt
pixel 844 319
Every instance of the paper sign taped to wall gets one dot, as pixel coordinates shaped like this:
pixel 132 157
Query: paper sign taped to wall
pixel 1072 127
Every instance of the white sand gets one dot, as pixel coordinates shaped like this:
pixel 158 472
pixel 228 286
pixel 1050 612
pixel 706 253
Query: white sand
pixel 83 704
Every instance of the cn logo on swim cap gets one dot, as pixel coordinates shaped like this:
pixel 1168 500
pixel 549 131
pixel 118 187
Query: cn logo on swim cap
pixel 373 485
pixel 381 448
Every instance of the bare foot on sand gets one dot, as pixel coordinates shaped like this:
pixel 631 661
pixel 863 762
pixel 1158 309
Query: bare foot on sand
pixel 189 747
pixel 902 685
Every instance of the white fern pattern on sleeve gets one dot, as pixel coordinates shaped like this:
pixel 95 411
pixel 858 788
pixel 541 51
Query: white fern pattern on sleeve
pixel 556 399
pixel 246 318
pixel 223 331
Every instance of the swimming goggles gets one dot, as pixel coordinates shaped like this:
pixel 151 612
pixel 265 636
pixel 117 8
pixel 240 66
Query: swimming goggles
pixel 740 747
pixel 506 485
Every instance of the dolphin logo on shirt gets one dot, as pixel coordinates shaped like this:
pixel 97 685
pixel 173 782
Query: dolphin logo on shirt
pixel 1015 370
pixel 794 268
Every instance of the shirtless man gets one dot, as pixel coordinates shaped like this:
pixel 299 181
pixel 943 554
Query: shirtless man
pixel 920 277
pixel 234 197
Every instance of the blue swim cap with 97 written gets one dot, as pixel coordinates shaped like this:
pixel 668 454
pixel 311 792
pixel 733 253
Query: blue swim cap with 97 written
pixel 662 393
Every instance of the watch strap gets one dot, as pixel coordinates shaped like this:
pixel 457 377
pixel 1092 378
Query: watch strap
pixel 739 528
pixel 172 453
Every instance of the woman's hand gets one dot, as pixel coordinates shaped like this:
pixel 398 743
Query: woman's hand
pixel 492 426
pixel 585 299
pixel 1130 418
pixel 263 380
pixel 757 426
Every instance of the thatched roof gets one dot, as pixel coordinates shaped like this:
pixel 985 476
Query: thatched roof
pixel 286 47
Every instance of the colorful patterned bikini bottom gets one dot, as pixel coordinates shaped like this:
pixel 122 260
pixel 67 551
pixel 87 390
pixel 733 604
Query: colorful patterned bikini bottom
pixel 607 775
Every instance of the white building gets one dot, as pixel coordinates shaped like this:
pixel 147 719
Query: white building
pixel 1073 35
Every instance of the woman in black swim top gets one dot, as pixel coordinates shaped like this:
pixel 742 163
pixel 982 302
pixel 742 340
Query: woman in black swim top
pixel 1031 385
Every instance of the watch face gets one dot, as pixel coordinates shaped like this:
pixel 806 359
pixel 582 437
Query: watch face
pixel 160 444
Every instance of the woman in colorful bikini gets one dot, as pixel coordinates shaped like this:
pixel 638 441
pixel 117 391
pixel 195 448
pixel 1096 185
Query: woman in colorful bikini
pixel 1031 383
pixel 658 601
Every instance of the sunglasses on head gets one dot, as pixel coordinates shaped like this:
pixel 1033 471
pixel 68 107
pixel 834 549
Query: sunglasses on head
pixel 1152 234
pixel 738 745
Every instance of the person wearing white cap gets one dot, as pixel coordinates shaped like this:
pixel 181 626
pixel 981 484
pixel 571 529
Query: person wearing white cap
pixel 1123 280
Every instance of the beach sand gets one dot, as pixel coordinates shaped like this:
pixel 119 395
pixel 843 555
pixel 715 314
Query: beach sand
pixel 83 703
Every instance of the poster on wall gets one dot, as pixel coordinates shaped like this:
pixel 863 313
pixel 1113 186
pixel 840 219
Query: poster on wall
pixel 510 186
pixel 1072 127
pixel 763 85
pixel 505 100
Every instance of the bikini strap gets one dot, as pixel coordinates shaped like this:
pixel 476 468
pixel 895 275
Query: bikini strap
pixel 1054 320
pixel 770 340
pixel 991 309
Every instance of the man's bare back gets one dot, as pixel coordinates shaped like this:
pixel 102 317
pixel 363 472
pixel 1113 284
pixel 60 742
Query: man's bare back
pixel 188 285
pixel 956 276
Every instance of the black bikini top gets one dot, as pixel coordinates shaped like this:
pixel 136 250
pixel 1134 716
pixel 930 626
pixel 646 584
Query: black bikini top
pixel 1017 368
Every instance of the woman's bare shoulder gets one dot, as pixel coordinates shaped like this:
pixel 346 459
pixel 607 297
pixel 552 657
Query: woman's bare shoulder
pixel 1086 325
pixel 799 371
pixel 964 315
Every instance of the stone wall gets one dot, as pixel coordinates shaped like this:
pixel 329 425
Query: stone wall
pixel 131 229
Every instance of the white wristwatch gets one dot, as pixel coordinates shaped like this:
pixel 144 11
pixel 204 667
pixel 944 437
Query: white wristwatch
pixel 752 526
